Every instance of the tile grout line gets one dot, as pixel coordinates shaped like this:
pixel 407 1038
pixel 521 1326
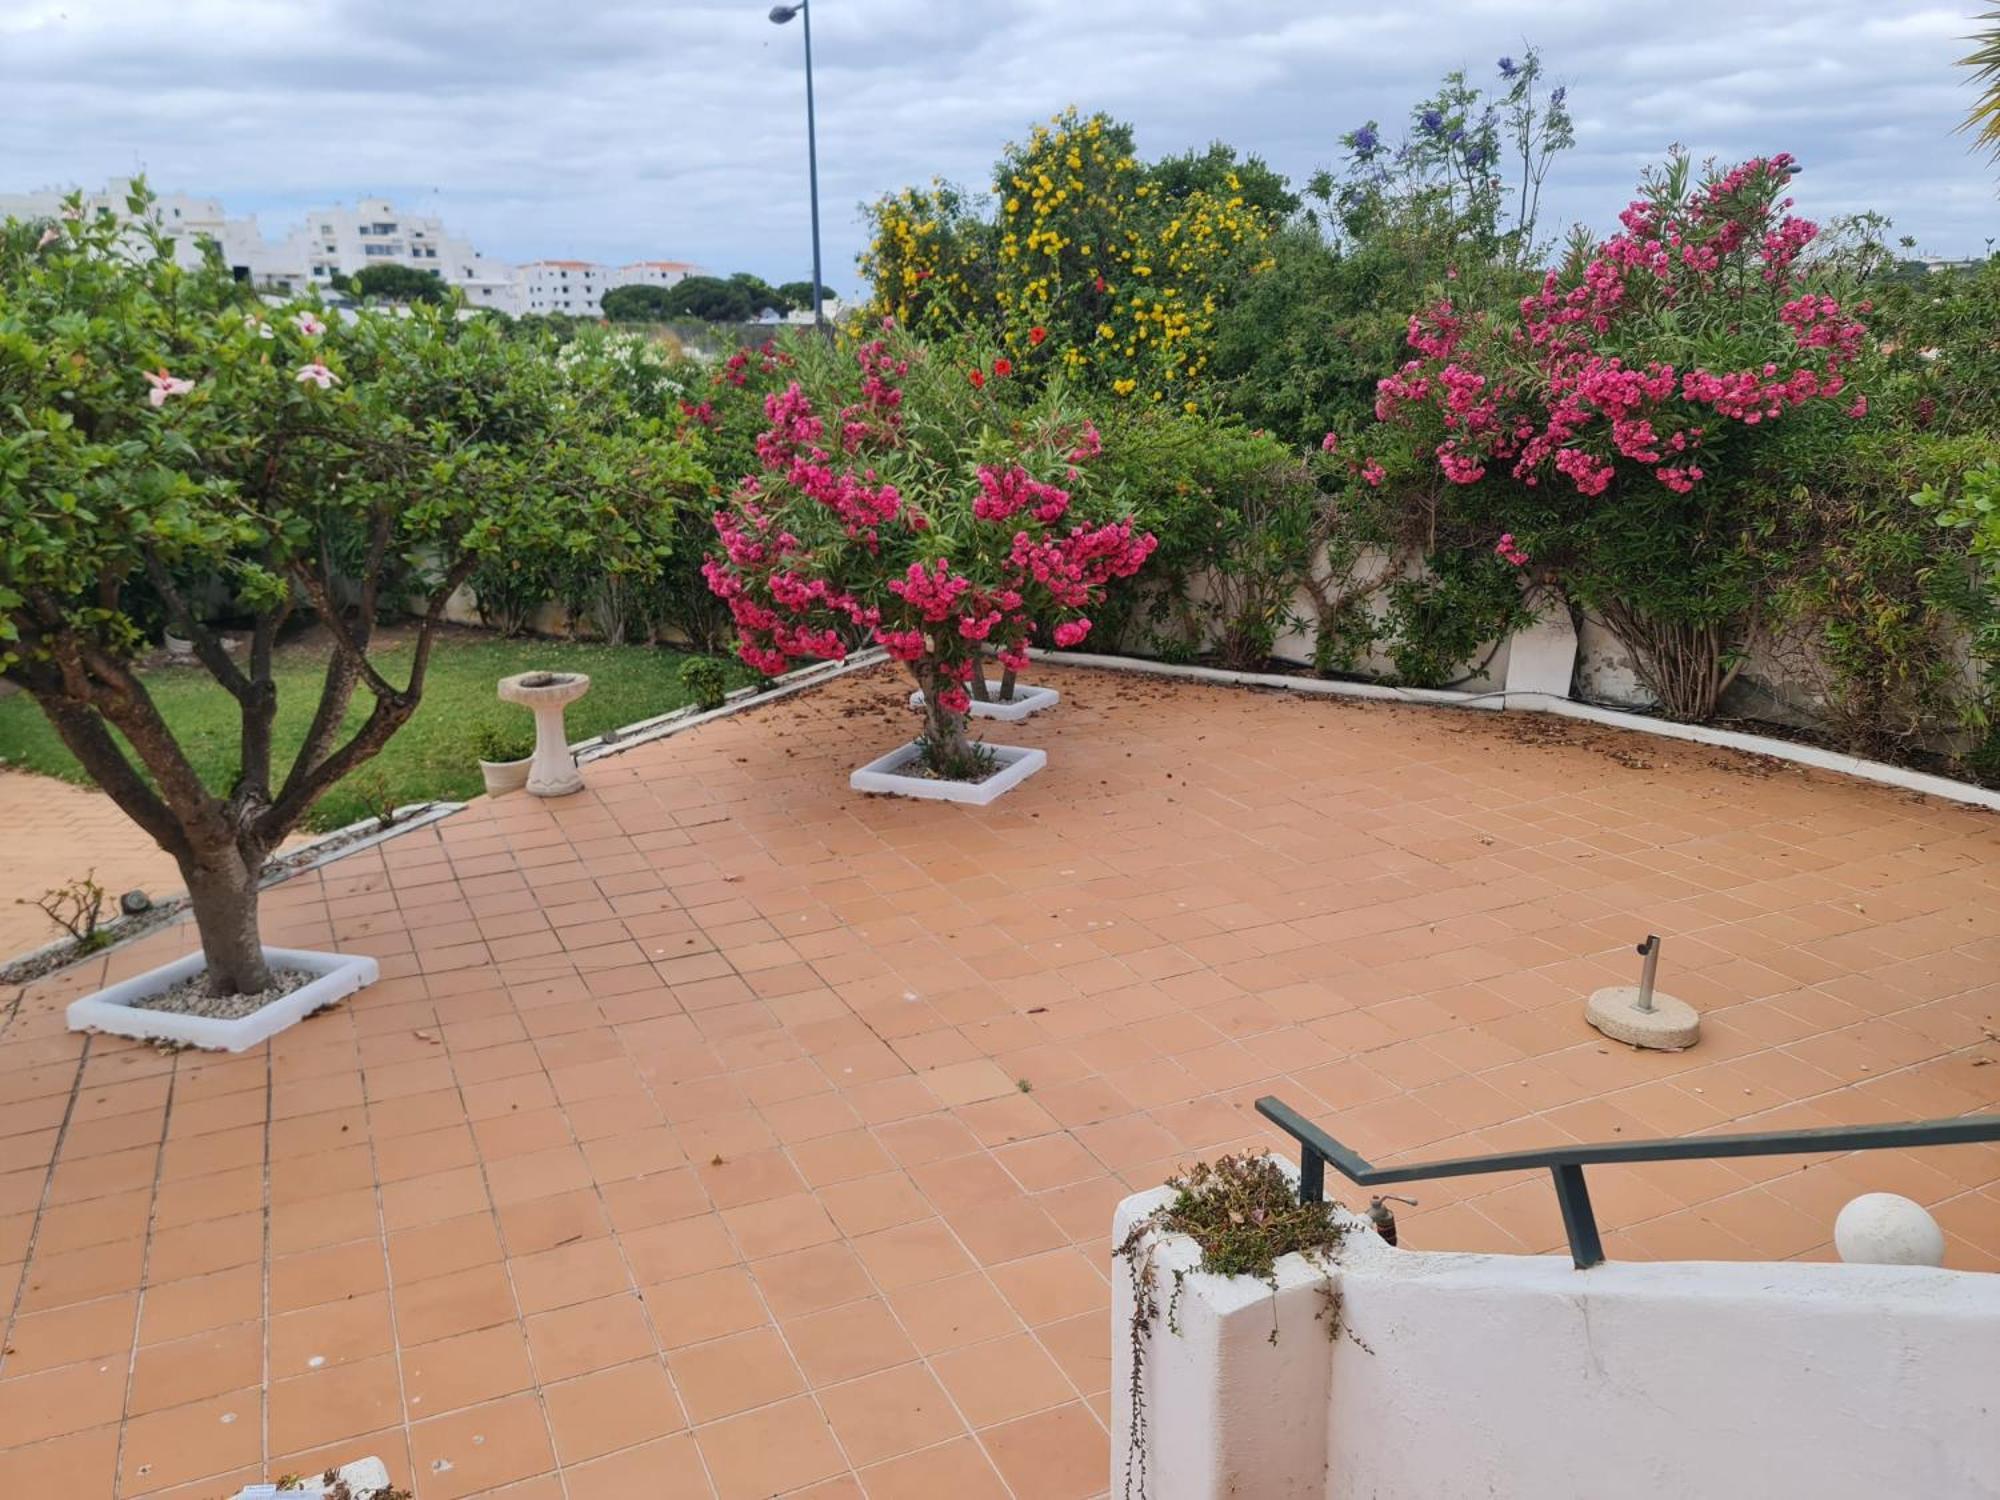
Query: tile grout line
pixel 42 1203
pixel 922 1358
pixel 403 1422
pixel 145 1265
pixel 270 1127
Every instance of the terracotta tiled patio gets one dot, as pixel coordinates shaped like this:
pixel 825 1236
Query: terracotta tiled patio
pixel 721 1131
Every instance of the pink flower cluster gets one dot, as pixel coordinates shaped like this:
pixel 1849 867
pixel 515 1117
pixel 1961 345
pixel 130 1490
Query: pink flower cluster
pixel 1005 495
pixel 1546 394
pixel 1022 561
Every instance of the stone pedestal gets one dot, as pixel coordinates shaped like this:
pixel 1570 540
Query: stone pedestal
pixel 1670 1026
pixel 552 771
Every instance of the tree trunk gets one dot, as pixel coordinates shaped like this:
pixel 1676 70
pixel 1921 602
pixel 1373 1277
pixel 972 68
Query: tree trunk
pixel 223 892
pixel 946 748
pixel 1007 685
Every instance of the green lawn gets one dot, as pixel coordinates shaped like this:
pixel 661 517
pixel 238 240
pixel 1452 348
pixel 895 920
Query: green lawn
pixel 432 756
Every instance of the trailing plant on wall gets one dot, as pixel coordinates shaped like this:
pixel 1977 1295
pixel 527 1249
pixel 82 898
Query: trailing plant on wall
pixel 906 500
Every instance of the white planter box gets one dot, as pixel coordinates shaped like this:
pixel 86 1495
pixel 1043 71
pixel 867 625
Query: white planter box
pixel 112 1010
pixel 1027 700
pixel 1016 763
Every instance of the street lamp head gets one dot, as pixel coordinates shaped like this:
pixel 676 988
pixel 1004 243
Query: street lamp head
pixel 783 13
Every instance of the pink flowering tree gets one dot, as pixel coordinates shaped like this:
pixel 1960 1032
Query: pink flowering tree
pixel 913 499
pixel 1616 431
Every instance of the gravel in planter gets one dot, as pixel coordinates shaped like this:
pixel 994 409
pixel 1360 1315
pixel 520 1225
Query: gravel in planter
pixel 191 998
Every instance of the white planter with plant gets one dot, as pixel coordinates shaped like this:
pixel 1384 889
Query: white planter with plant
pixel 504 758
pixel 1223 1300
pixel 171 1004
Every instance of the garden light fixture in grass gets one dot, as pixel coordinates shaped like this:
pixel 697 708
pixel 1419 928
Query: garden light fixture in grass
pixel 178 440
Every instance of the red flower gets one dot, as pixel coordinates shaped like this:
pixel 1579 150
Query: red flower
pixel 1003 368
pixel 1100 283
pixel 978 379
pixel 1036 335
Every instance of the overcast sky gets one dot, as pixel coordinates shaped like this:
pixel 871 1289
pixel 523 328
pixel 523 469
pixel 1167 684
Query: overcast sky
pixel 618 130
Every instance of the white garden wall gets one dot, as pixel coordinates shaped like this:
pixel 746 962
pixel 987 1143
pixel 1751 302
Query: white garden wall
pixel 1494 1375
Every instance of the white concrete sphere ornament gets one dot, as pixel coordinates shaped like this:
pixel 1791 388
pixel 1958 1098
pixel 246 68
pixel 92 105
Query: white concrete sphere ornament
pixel 1887 1229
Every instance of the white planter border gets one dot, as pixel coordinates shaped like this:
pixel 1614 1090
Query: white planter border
pixel 113 1010
pixel 1017 764
pixel 1729 739
pixel 1029 698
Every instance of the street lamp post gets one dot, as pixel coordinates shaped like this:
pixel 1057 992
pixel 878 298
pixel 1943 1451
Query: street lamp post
pixel 780 14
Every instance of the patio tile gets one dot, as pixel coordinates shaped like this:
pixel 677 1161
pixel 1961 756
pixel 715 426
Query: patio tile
pixel 465 1370
pixel 770 1451
pixel 727 1104
pixel 889 1413
pixel 729 1375
pixel 612 1408
pixel 1006 1378
pixel 850 1341
pixel 1060 1454
pixel 481 1448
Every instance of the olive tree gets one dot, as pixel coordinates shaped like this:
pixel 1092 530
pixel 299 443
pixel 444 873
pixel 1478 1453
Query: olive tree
pixel 171 439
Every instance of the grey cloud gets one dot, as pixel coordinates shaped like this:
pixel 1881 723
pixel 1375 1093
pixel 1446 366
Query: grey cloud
pixel 676 128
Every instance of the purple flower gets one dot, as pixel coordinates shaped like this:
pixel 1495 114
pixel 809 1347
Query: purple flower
pixel 1556 99
pixel 1364 141
pixel 1508 67
pixel 1432 122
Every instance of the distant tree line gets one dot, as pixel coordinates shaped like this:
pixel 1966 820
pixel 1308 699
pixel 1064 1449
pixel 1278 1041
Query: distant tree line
pixel 742 298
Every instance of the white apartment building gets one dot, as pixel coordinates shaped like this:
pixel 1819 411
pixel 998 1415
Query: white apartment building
pixel 191 221
pixel 343 241
pixel 346 241
pixel 654 273
pixel 575 287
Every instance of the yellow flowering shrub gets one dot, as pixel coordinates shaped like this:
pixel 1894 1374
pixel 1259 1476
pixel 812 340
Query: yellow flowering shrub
pixel 929 260
pixel 1091 263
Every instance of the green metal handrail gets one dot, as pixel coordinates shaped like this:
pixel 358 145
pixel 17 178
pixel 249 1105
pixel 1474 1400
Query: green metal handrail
pixel 1566 1163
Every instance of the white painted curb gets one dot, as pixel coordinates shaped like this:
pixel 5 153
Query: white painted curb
pixel 680 720
pixel 1729 739
pixel 112 1010
pixel 1017 764
pixel 1026 700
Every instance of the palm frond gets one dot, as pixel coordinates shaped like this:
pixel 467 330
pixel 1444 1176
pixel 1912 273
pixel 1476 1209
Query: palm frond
pixel 1984 120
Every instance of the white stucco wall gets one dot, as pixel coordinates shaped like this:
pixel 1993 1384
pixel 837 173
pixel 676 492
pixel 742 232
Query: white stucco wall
pixel 1493 1375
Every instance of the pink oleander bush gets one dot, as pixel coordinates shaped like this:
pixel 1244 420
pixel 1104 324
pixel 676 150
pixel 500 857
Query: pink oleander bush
pixel 1610 427
pixel 912 498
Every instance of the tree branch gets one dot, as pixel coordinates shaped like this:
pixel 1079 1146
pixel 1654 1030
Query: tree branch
pixel 207 645
pixel 86 737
